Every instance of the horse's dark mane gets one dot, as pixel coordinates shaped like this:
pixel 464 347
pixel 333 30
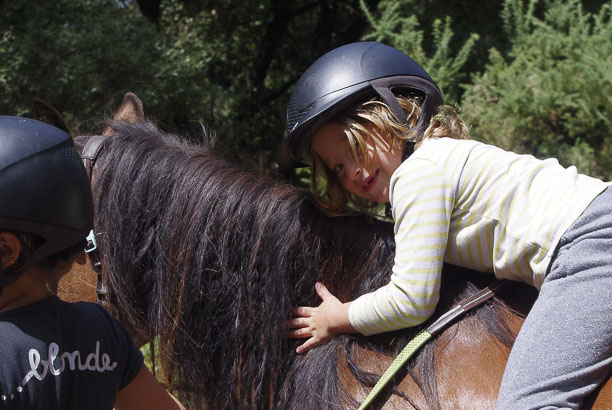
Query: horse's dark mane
pixel 210 256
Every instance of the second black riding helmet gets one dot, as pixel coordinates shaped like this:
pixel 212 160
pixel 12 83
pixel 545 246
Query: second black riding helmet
pixel 344 77
pixel 44 189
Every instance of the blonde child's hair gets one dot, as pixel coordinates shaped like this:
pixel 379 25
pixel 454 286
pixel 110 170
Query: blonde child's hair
pixel 374 116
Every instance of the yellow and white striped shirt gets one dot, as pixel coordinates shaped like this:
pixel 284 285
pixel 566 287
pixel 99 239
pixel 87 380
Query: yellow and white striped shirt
pixel 476 206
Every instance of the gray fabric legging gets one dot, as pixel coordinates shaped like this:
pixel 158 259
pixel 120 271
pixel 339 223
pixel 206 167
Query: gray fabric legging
pixel 564 349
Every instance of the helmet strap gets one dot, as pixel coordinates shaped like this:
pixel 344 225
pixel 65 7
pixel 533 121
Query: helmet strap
pixel 389 98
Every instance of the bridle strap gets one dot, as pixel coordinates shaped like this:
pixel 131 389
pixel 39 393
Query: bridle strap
pixel 90 153
pixel 433 330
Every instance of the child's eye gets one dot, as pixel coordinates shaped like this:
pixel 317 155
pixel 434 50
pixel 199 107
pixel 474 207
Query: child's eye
pixel 337 168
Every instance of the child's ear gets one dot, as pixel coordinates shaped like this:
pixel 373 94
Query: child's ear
pixel 10 248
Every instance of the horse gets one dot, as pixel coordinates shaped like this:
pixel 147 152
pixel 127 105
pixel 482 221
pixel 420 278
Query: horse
pixel 207 255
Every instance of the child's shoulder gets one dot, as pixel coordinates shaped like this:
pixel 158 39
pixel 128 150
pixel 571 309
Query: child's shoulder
pixel 43 305
pixel 442 149
pixel 86 308
pixel 53 312
pixel 53 306
pixel 450 143
pixel 52 303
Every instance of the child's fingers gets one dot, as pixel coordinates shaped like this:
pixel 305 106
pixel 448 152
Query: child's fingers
pixel 306 346
pixel 300 333
pixel 303 311
pixel 322 291
pixel 299 322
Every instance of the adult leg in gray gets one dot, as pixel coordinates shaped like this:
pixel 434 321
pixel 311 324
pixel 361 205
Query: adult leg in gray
pixel 564 349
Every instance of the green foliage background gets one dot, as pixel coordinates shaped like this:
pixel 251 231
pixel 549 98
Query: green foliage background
pixel 551 94
pixel 531 76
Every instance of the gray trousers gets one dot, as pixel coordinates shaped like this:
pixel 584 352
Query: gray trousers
pixel 564 349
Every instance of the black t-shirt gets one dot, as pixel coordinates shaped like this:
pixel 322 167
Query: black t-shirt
pixel 59 355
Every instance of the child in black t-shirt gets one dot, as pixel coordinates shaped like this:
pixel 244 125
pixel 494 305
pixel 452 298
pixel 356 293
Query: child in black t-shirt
pixel 54 354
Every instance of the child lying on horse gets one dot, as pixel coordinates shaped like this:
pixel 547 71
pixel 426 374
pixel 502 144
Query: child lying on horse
pixel 371 123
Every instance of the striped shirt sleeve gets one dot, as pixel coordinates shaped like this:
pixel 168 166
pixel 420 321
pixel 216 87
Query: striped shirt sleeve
pixel 422 199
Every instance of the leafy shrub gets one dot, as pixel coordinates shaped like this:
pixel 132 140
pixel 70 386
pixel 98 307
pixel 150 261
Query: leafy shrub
pixel 551 96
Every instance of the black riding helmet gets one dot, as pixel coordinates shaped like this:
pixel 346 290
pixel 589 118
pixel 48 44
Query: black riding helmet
pixel 344 77
pixel 44 189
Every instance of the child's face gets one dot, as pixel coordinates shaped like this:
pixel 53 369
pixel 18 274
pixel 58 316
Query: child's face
pixel 371 183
